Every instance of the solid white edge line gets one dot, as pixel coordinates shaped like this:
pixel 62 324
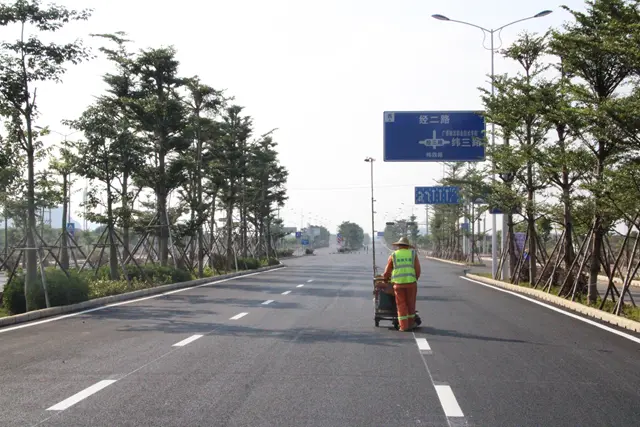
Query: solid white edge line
pixel 556 309
pixel 286 292
pixel 70 401
pixel 116 304
pixel 299 286
pixel 448 401
pixel 267 302
pixel 423 345
pixel 189 340
pixel 238 316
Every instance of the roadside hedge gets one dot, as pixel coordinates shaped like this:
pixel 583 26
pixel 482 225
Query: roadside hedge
pixel 61 290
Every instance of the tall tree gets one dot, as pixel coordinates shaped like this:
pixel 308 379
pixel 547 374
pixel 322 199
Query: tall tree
pixel 236 130
pixel 100 159
pixel 120 87
pixel 160 115
pixel 588 51
pixel 524 107
pixel 203 103
pixel 23 63
pixel 352 233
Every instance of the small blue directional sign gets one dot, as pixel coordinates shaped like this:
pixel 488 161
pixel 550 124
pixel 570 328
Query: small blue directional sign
pixel 380 233
pixel 437 195
pixel 305 242
pixel 339 235
pixel 464 226
pixel 71 228
pixel 298 234
pixel 434 136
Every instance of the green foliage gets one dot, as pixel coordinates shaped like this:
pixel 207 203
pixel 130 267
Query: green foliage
pixel 284 253
pixel 62 291
pixel 352 234
pixel 248 263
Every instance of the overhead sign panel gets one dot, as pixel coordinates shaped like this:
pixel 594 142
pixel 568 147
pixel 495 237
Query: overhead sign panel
pixel 434 136
pixel 437 195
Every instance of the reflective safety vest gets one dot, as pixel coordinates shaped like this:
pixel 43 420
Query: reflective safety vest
pixel 403 267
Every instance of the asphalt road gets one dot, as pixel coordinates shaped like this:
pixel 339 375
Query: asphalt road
pixel 312 357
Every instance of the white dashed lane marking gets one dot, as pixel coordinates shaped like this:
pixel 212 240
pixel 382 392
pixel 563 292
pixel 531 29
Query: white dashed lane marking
pixel 267 302
pixel 69 402
pixel 286 292
pixel 238 316
pixel 187 341
pixel 448 401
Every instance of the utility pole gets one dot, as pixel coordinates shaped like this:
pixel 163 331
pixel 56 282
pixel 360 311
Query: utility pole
pixel 370 160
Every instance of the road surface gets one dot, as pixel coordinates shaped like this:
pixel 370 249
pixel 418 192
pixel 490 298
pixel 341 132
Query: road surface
pixel 297 347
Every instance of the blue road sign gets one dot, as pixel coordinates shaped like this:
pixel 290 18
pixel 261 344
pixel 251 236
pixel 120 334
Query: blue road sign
pixel 437 195
pixel 339 235
pixel 434 136
pixel 71 228
pixel 298 234
pixel 464 226
pixel 380 233
pixel 495 211
pixel 304 242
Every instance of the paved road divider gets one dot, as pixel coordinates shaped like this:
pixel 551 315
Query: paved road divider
pixel 99 302
pixel 571 305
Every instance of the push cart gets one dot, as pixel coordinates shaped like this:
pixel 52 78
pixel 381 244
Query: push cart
pixel 384 303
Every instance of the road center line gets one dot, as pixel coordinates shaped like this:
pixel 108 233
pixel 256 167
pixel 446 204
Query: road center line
pixel 267 302
pixel 238 316
pixel 286 292
pixel 448 401
pixel 299 286
pixel 67 403
pixel 189 340
pixel 423 345
pixel 556 309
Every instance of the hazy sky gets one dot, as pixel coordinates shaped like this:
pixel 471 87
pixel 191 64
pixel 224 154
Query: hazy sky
pixel 322 72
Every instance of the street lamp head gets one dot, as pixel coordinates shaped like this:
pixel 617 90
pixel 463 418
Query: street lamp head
pixel 543 13
pixel 440 17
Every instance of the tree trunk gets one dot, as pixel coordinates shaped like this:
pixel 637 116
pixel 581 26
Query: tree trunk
pixel 113 248
pixel 64 255
pixel 568 227
pixel 126 211
pixel 31 258
pixel 596 248
pixel 230 263
pixel 513 259
pixel 531 223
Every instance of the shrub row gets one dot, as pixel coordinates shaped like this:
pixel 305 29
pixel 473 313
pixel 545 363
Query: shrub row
pixel 79 287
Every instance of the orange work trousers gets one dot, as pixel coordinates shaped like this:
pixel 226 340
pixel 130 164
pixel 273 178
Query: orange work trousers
pixel 406 294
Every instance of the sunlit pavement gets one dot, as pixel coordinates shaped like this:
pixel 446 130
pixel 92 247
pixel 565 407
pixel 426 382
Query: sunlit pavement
pixel 298 347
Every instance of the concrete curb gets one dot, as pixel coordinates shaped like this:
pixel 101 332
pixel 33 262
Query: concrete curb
pixel 98 302
pixel 574 306
pixel 446 261
pixel 618 281
pixel 601 279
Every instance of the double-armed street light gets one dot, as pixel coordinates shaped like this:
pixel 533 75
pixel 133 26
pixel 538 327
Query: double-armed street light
pixel 492 32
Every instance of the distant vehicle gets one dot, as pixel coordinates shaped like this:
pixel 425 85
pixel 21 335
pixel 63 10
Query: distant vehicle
pixel 434 142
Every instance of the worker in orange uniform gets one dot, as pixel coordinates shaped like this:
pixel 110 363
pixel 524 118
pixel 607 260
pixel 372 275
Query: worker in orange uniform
pixel 403 270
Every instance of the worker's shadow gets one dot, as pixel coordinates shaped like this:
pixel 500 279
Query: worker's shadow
pixel 428 330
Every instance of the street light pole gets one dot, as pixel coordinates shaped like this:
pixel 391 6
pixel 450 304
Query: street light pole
pixel 494 235
pixel 370 160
